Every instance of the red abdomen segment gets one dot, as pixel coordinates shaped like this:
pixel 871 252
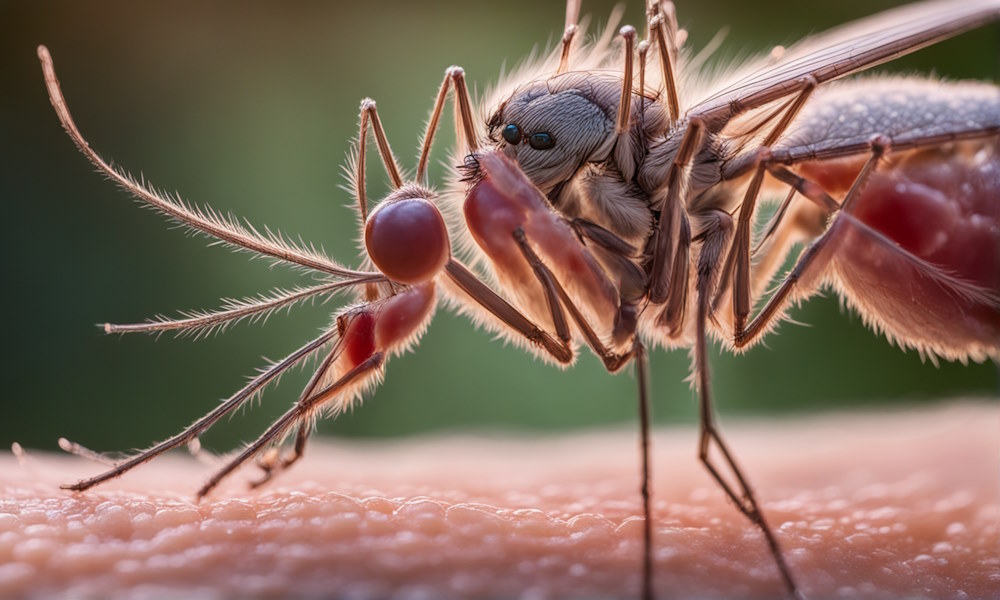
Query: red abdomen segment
pixel 504 200
pixel 389 325
pixel 919 253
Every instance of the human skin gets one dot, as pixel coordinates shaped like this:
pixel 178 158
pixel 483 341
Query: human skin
pixel 869 505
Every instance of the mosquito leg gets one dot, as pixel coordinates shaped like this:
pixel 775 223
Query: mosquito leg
pixel 760 323
pixel 237 310
pixel 737 263
pixel 739 253
pixel 810 190
pixel 664 34
pixel 272 463
pixel 789 224
pixel 85 452
pixel 625 102
pixel 632 278
pixel 229 231
pixel 672 207
pixel 202 424
pixel 715 239
pixel 464 114
pixel 510 316
pixel 772 225
pixel 804 222
pixel 645 418
pixel 453 76
pixel 369 113
pixel 612 361
pixel 642 50
pixel 672 316
pixel 368 334
pixel 296 415
pixel 572 18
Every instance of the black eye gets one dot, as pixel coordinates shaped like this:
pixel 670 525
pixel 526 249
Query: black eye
pixel 512 133
pixel 541 141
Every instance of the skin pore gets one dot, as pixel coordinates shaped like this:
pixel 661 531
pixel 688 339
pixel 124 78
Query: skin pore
pixel 865 505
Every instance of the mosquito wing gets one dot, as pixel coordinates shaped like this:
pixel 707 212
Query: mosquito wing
pixel 845 50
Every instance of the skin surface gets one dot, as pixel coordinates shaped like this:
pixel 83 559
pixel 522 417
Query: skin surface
pixel 867 505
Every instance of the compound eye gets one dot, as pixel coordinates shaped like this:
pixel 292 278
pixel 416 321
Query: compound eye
pixel 541 141
pixel 512 134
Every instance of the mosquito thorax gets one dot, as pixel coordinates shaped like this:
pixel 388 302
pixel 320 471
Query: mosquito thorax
pixel 406 236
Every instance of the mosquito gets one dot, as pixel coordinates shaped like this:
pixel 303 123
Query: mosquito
pixel 606 197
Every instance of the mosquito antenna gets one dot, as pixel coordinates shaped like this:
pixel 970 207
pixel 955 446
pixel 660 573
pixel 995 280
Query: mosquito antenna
pixel 202 219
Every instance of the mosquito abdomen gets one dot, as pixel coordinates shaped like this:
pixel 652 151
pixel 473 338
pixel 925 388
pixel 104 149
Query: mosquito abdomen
pixel 919 253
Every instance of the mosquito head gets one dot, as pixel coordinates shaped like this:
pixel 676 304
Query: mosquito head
pixel 406 236
pixel 553 127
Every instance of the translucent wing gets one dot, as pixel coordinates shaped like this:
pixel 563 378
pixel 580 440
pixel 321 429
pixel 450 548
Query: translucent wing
pixel 846 50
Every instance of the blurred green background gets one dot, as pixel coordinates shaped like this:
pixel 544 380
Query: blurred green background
pixel 250 107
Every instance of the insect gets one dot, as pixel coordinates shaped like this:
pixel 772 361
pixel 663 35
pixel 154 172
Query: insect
pixel 609 202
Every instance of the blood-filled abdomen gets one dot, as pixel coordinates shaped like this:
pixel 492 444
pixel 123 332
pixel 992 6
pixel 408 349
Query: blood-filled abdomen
pixel 918 253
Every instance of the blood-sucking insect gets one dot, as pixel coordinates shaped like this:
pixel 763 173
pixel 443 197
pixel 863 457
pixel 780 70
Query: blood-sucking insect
pixel 606 198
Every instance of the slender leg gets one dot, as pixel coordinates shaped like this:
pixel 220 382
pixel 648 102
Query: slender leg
pixel 672 316
pixel 808 189
pixel 633 280
pixel 663 30
pixel 510 316
pixel 272 463
pixel 715 240
pixel 299 412
pixel 370 113
pixel 671 209
pixel 761 322
pixel 549 285
pixel 453 76
pixel 625 102
pixel 739 254
pixel 464 115
pixel 772 225
pixel 645 418
pixel 738 260
pixel 569 32
pixel 425 147
pixel 612 361
pixel 202 424
pixel 642 50
pixel 205 322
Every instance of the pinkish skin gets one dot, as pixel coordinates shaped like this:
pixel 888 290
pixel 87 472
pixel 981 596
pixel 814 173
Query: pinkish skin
pixel 943 211
pixel 870 506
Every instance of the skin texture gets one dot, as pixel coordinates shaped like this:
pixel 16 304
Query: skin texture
pixel 869 505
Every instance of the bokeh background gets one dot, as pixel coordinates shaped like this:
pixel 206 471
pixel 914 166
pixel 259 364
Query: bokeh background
pixel 250 107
